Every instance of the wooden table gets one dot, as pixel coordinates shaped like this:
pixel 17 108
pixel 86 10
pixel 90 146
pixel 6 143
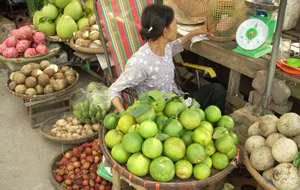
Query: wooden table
pixel 238 64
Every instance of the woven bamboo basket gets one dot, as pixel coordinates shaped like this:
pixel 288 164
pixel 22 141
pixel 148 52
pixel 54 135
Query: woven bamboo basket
pixel 47 126
pixel 266 185
pixel 75 47
pixel 14 64
pixel 176 183
pixel 42 96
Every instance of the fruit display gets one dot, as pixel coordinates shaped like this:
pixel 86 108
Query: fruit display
pixel 92 105
pixel 62 17
pixel 77 168
pixel 273 145
pixel 71 127
pixel 24 42
pixel 89 34
pixel 41 78
pixel 167 138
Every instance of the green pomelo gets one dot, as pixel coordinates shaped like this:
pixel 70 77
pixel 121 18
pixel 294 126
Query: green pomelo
pixel 138 164
pixel 234 137
pixel 113 137
pixel 62 3
pixel 152 148
pixel 232 152
pixel 173 128
pixel 132 142
pixel 125 122
pixel 201 171
pixel 74 10
pixel 210 149
pixel 134 128
pixel 119 154
pixel 89 7
pixel 148 129
pixel 47 27
pixel 187 138
pixel 65 27
pixel 183 169
pixel 207 161
pixel 190 119
pixel 201 113
pixel 220 161
pixel 202 136
pixel 225 121
pixel 159 104
pixel 162 169
pixel 219 132
pixel 174 108
pixel 195 153
pixel 212 113
pixel 57 19
pixel 207 125
pixel 82 22
pixel 50 11
pixel 36 19
pixel 148 115
pixel 160 121
pixel 111 121
pixel 174 148
pixel 224 144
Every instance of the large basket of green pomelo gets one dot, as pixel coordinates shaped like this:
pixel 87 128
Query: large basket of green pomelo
pixel 160 143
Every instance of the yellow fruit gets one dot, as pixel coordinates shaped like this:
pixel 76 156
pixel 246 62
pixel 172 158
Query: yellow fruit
pixel 125 122
pixel 113 137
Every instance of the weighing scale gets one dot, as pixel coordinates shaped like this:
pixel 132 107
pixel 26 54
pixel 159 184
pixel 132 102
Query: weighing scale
pixel 254 35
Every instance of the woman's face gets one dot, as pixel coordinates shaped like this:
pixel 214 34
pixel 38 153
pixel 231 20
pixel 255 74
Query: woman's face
pixel 171 31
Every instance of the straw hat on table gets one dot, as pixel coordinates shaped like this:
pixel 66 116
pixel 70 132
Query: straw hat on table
pixel 188 11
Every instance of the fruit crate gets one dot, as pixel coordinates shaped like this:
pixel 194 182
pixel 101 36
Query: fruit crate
pixel 215 182
pixel 40 109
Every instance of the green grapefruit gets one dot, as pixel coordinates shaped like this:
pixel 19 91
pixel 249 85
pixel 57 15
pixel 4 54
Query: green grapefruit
pixel 210 149
pixel 173 128
pixel 132 142
pixel 138 164
pixel 148 129
pixel 113 137
pixel 160 121
pixel 190 119
pixel 202 136
pixel 187 138
pixel 152 148
pixel 201 113
pixel 174 108
pixel 220 161
pixel 183 169
pixel 119 154
pixel 224 144
pixel 111 121
pixel 195 153
pixel 234 137
pixel 207 161
pixel 207 125
pixel 201 171
pixel 212 113
pixel 225 121
pixel 232 152
pixel 162 169
pixel 174 148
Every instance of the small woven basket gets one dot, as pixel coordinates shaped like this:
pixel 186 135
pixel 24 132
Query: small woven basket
pixel 188 11
pixel 224 18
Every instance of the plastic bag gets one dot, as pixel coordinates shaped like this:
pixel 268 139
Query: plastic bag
pixel 92 103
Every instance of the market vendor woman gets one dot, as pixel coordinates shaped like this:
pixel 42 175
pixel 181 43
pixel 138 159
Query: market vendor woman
pixel 152 67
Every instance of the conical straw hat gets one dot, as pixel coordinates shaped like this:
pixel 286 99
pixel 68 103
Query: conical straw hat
pixel 188 11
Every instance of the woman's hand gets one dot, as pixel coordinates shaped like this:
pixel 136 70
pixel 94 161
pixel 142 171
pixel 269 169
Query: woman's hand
pixel 199 31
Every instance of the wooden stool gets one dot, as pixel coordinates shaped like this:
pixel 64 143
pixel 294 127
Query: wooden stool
pixel 48 107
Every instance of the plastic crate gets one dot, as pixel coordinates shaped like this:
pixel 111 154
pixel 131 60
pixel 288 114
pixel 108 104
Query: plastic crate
pixel 103 173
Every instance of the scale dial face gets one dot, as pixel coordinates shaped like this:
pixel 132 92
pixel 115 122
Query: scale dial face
pixel 252 34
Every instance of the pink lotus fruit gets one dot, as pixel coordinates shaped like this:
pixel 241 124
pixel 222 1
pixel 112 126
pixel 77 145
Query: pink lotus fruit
pixel 11 41
pixel 30 52
pixel 41 49
pixel 10 52
pixel 24 33
pixel 13 32
pixel 22 45
pixel 39 37
pixel 33 45
pixel 3 47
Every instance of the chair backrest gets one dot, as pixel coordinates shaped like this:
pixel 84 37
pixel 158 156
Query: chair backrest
pixel 121 23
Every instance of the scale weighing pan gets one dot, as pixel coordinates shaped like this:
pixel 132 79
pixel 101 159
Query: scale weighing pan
pixel 269 5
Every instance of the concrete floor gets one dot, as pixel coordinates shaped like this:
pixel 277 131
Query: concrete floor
pixel 25 154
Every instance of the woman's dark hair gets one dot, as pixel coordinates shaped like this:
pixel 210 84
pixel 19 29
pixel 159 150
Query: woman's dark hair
pixel 154 19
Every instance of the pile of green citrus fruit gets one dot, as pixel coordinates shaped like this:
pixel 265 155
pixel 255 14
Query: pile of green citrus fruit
pixel 165 138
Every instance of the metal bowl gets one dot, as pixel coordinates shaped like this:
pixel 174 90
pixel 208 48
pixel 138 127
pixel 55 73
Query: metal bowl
pixel 269 5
